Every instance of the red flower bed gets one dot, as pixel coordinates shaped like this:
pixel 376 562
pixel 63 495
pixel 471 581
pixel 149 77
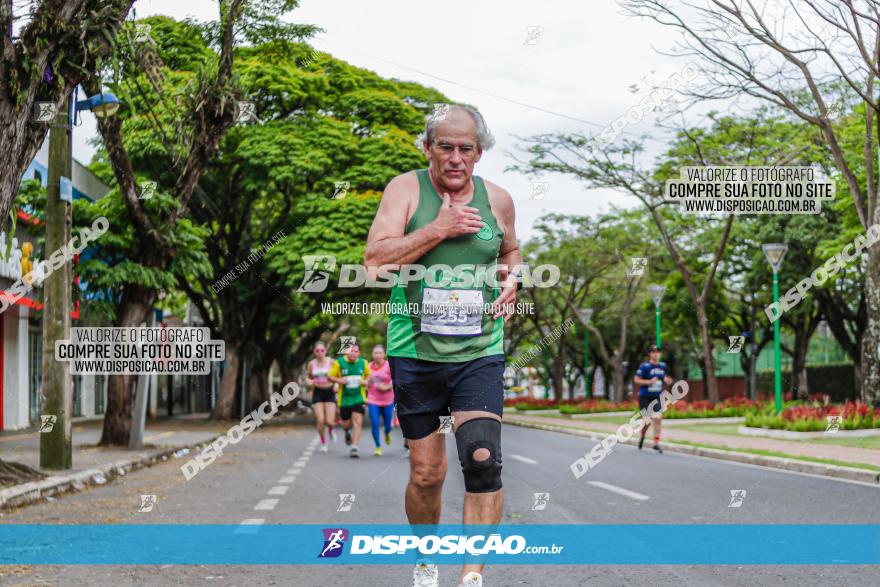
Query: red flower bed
pixel 849 410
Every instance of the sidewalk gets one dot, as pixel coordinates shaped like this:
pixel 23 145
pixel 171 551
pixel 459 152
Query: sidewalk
pixel 96 465
pixel 803 449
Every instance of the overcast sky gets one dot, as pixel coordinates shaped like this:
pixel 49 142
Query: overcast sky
pixel 579 65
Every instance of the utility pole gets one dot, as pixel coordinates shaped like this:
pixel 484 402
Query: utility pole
pixel 142 387
pixel 753 355
pixel 56 448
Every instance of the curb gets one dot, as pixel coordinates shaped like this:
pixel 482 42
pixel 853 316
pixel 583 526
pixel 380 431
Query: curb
pixel 589 415
pixel 689 421
pixel 825 470
pixel 31 492
pixel 791 435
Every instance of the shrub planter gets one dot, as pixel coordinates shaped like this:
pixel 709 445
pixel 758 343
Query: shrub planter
pixel 792 435
pixel 550 412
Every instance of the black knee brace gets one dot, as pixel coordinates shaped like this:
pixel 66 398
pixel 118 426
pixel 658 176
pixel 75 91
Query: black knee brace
pixel 480 476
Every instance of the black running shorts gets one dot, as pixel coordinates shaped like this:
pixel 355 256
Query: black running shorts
pixel 426 390
pixel 645 402
pixel 323 395
pixel 346 411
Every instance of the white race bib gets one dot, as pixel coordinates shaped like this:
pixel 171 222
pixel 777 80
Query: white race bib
pixel 353 381
pixel 656 387
pixel 452 312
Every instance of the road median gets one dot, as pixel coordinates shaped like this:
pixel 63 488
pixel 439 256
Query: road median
pixel 708 447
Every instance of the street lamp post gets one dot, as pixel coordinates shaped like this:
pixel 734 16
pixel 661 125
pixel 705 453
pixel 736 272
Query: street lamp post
pixel 56 445
pixel 584 314
pixel 657 292
pixel 545 332
pixel 775 252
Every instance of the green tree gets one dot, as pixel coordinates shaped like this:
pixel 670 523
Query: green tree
pixel 727 141
pixel 182 100
pixel 61 44
pixel 827 66
pixel 323 122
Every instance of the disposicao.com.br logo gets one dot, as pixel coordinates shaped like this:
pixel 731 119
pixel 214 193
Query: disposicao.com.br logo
pixel 432 544
pixel 320 268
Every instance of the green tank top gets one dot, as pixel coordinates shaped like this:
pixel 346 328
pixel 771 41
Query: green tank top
pixel 441 316
pixel 352 393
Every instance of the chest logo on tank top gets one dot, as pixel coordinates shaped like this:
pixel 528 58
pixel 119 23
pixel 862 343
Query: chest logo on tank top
pixel 485 233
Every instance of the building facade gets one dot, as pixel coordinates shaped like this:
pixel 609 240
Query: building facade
pixel 21 344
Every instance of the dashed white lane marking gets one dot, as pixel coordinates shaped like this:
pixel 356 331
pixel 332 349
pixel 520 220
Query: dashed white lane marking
pixel 523 459
pixel 249 526
pixel 266 504
pixel 252 525
pixel 619 490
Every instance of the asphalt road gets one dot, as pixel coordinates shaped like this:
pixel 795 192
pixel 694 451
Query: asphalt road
pixel 276 476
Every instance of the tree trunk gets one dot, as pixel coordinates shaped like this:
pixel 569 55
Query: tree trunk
pixel 288 374
pixel 259 386
pixel 799 364
pixel 708 356
pixel 870 387
pixel 558 376
pixel 225 408
pixel 619 394
pixel 136 302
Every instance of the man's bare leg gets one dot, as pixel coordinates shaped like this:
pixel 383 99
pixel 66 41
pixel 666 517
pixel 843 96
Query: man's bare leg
pixel 358 420
pixel 479 508
pixel 657 426
pixel 427 470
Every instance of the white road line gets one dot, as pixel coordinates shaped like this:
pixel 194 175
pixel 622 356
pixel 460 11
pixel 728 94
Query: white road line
pixel 523 459
pixel 266 504
pixel 301 462
pixel 279 490
pixel 298 465
pixel 249 526
pixel 619 490
pixel 287 479
pixel 293 472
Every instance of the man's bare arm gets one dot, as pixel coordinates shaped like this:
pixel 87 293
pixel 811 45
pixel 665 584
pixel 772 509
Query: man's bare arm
pixel 509 255
pixel 387 244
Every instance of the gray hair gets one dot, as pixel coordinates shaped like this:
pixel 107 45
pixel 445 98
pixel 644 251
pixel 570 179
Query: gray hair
pixel 485 140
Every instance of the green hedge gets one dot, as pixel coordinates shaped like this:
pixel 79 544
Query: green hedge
pixel 838 381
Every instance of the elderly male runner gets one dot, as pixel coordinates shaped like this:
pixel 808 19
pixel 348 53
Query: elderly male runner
pixel 448 358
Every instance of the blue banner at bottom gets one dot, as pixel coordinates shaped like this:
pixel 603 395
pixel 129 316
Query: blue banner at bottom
pixel 558 544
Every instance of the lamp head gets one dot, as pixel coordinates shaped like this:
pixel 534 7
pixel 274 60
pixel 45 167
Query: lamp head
pixel 775 253
pixel 657 292
pixel 102 105
pixel 585 314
